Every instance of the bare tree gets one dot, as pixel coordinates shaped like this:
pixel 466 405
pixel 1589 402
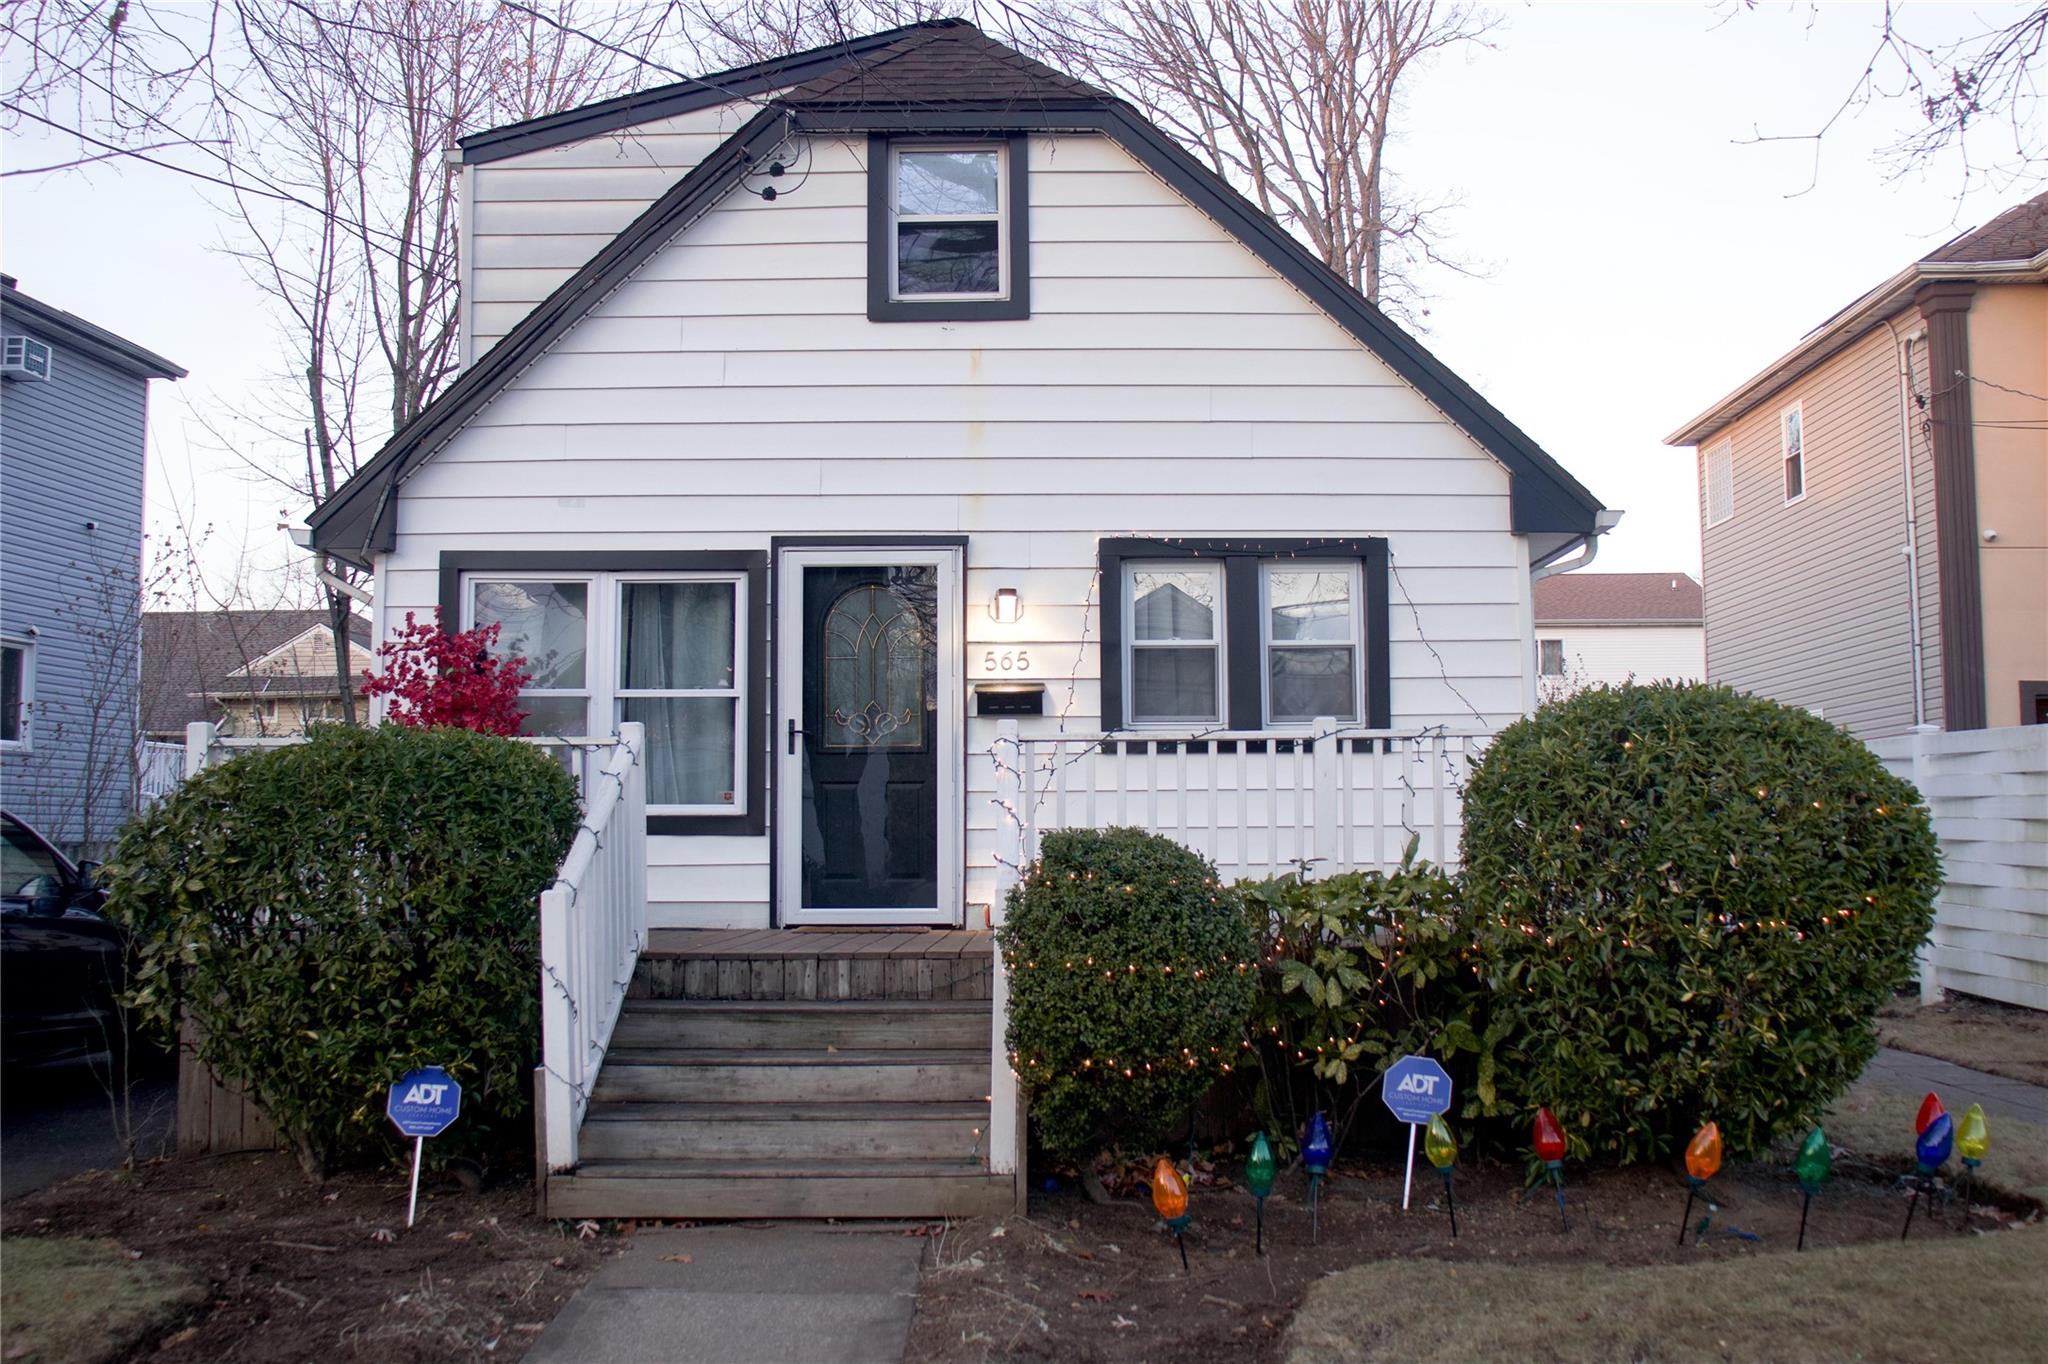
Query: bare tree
pixel 1976 98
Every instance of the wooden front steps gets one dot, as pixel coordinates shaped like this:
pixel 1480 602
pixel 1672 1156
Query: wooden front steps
pixel 804 964
pixel 841 1105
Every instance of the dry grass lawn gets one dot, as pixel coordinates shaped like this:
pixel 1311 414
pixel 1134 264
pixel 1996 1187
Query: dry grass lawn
pixel 1977 1298
pixel 81 1302
pixel 1996 1038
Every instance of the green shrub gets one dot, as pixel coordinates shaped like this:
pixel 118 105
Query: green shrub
pixel 1130 975
pixel 1361 968
pixel 1695 903
pixel 336 912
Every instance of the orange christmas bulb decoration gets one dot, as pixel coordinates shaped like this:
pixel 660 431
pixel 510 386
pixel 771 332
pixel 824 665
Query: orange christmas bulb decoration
pixel 1703 1153
pixel 1169 1191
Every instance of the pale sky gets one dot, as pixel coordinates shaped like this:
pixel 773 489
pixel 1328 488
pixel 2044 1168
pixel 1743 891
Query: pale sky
pixel 1639 260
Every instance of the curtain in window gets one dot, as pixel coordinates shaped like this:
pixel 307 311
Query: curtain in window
pixel 678 636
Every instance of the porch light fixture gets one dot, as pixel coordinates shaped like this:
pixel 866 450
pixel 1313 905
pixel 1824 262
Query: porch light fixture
pixel 1006 608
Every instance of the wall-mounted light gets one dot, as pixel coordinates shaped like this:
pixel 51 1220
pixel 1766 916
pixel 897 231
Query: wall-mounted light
pixel 1006 608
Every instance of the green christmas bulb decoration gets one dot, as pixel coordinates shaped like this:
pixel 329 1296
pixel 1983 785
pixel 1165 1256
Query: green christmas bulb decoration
pixel 1259 1172
pixel 1811 1167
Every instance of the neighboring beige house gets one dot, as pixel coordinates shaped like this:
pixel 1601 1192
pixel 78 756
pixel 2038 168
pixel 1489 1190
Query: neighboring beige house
pixel 250 672
pixel 1874 503
pixel 1595 629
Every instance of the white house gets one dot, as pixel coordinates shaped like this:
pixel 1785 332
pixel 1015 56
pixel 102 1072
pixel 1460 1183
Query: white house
pixel 1595 629
pixel 881 428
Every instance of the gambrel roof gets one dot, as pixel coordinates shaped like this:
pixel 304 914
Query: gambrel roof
pixel 944 77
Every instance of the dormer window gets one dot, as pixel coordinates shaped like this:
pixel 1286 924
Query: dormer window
pixel 948 229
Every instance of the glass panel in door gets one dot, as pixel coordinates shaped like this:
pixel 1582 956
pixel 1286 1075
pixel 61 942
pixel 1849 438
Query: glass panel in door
pixel 869 737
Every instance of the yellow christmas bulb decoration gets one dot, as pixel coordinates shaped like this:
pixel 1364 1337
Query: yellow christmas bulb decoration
pixel 1973 1139
pixel 1437 1143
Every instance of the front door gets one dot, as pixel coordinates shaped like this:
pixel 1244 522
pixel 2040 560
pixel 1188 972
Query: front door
pixel 868 816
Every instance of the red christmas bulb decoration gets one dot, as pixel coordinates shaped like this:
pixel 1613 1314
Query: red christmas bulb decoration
pixel 1549 1138
pixel 1930 1109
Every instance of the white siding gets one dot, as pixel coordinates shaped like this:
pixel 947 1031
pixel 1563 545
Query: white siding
pixel 533 219
pixel 1613 654
pixel 1168 383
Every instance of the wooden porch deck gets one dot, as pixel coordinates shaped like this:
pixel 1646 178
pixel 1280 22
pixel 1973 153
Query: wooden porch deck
pixel 822 964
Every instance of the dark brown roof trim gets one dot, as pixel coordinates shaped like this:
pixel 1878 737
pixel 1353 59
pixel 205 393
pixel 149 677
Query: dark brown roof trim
pixel 682 97
pixel 357 521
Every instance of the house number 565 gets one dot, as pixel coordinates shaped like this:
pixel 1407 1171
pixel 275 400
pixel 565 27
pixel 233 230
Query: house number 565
pixel 1008 661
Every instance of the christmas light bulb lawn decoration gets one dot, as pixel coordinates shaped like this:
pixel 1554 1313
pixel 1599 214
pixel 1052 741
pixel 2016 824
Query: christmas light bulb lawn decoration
pixel 1170 1197
pixel 1930 1109
pixel 1442 1151
pixel 1811 1167
pixel 1702 1163
pixel 1315 1155
pixel 1259 1170
pixel 1549 1142
pixel 1930 1153
pixel 1973 1139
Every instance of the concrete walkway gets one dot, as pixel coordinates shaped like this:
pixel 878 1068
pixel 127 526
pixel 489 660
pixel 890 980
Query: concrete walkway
pixel 1907 1072
pixel 744 1295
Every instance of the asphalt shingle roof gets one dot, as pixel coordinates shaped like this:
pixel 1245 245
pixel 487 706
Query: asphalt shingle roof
pixel 1585 597
pixel 2019 233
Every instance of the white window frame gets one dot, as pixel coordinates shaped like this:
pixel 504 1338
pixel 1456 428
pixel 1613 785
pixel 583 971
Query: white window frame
pixel 1719 458
pixel 604 660
pixel 1788 455
pixel 25 716
pixel 897 151
pixel 619 693
pixel 1267 644
pixel 1220 641
pixel 1563 664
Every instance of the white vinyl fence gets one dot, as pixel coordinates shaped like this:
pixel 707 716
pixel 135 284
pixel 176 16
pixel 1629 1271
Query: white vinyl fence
pixel 1988 792
pixel 159 769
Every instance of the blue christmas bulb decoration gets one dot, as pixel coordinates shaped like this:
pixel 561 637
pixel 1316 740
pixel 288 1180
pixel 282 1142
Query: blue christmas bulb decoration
pixel 1315 1152
pixel 1933 1148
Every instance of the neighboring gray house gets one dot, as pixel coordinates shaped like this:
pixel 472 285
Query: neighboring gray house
pixel 72 408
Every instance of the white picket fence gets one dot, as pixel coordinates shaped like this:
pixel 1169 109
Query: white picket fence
pixel 1339 798
pixel 593 920
pixel 1988 792
pixel 159 769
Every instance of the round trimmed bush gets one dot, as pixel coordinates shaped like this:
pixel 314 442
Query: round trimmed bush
pixel 334 913
pixel 1696 901
pixel 1131 973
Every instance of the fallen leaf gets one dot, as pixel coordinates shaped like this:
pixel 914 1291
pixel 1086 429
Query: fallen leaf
pixel 383 1236
pixel 1122 1322
pixel 460 1236
pixel 998 1231
pixel 1093 1295
pixel 587 1230
pixel 676 1259
pixel 174 1339
pixel 530 1328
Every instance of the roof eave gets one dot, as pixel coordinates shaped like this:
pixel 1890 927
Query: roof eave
pixel 95 340
pixel 1888 299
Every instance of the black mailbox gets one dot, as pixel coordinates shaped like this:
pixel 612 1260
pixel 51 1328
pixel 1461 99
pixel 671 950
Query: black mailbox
pixel 1009 698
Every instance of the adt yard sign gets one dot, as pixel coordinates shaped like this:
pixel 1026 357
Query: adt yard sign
pixel 1415 1089
pixel 424 1103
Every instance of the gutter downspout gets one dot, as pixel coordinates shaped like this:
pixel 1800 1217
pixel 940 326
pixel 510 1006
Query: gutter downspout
pixel 1589 548
pixel 1911 549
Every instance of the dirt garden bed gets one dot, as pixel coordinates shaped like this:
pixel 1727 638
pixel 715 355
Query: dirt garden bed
pixel 1076 1281
pixel 289 1272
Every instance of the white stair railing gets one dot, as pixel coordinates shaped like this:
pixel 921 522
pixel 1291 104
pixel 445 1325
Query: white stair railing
pixel 593 925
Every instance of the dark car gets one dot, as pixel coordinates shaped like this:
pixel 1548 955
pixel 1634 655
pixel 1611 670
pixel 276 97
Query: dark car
pixel 61 960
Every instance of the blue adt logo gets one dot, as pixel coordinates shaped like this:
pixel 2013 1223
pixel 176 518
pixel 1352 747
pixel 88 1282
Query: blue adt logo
pixel 1415 1089
pixel 425 1103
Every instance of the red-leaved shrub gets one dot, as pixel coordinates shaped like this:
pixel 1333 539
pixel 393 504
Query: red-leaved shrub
pixel 435 678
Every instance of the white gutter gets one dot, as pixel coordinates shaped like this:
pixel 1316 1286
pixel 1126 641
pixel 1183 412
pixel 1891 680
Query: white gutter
pixel 1589 548
pixel 1911 549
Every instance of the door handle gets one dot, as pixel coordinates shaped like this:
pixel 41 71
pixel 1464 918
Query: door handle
pixel 793 732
